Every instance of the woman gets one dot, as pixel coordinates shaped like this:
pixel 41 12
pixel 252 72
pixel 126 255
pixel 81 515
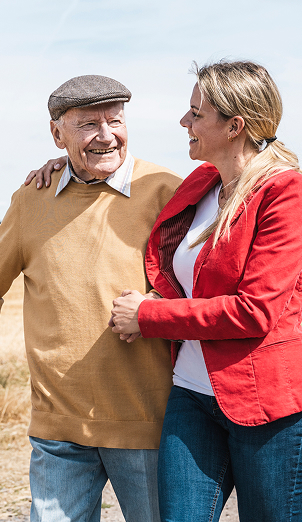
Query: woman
pixel 226 256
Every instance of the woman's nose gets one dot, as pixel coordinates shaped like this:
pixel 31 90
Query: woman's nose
pixel 185 121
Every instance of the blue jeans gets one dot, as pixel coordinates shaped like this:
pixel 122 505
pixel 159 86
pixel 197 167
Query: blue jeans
pixel 203 455
pixel 67 480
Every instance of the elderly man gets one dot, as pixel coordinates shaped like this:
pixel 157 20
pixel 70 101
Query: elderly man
pixel 97 403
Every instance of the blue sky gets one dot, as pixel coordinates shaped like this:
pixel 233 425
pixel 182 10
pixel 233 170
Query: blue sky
pixel 148 46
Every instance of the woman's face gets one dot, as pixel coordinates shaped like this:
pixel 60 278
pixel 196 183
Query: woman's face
pixel 208 132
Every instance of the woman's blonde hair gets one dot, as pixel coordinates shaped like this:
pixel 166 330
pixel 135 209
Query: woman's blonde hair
pixel 246 89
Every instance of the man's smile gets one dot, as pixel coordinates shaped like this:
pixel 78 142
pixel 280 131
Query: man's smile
pixel 102 151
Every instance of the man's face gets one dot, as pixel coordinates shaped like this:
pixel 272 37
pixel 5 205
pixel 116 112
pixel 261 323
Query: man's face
pixel 95 138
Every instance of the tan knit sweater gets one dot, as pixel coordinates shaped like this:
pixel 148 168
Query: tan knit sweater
pixel 78 251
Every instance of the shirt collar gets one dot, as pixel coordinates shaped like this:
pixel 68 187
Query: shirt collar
pixel 120 180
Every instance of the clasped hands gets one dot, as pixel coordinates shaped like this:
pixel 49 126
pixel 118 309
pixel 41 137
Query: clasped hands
pixel 124 318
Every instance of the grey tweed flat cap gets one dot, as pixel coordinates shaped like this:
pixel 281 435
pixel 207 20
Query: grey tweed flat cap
pixel 83 91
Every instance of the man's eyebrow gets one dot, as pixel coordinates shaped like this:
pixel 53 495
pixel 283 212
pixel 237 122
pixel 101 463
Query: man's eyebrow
pixel 194 107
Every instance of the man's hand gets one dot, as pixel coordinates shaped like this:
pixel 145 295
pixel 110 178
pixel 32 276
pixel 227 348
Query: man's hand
pixel 125 337
pixel 125 313
pixel 44 173
pixel 131 337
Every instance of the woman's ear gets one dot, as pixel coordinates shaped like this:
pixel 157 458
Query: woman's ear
pixel 237 124
pixel 57 134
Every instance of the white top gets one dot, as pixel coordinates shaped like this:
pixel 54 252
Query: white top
pixel 190 370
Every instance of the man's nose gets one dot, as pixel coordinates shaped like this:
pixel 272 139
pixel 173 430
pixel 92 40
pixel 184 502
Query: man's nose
pixel 104 134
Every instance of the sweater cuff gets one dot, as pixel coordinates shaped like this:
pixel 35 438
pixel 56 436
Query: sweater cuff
pixel 153 291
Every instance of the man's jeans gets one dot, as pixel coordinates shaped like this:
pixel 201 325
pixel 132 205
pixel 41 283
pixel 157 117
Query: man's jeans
pixel 203 455
pixel 67 480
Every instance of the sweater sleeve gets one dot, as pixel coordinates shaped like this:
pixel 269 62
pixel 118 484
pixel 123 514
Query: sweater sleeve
pixel 10 245
pixel 270 276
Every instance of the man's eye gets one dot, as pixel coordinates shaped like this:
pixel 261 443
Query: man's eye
pixel 194 114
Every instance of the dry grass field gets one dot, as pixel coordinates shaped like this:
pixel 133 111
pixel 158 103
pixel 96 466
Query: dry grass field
pixel 15 497
pixel 14 408
pixel 14 375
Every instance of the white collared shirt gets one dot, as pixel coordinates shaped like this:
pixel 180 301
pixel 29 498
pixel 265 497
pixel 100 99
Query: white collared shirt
pixel 119 180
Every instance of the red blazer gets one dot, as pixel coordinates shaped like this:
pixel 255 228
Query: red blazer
pixel 246 305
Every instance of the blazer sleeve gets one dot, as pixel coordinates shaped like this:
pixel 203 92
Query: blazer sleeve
pixel 270 277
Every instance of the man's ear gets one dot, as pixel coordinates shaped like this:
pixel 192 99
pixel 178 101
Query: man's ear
pixel 57 134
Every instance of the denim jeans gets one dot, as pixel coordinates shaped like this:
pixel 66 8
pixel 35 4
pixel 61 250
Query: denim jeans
pixel 203 455
pixel 67 480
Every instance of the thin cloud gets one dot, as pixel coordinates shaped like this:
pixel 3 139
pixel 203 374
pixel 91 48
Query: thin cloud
pixel 60 26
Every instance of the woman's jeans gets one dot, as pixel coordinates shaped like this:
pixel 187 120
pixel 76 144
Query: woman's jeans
pixel 203 455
